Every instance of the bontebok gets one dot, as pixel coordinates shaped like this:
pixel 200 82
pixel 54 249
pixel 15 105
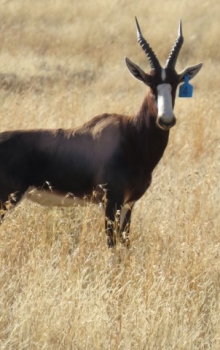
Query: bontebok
pixel 108 160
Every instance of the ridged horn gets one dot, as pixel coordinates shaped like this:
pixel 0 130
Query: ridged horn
pixel 154 63
pixel 171 61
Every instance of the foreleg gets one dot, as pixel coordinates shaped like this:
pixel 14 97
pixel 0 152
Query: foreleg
pixel 125 222
pixel 117 223
pixel 112 223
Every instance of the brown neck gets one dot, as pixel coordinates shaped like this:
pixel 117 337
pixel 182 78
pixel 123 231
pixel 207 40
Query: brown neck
pixel 148 111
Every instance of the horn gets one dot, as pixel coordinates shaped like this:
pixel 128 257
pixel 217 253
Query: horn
pixel 154 63
pixel 171 61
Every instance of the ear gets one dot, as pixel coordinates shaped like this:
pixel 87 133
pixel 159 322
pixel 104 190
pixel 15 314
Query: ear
pixel 190 71
pixel 137 72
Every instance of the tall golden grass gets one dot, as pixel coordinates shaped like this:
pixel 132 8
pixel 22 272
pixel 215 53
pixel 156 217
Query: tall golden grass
pixel 61 63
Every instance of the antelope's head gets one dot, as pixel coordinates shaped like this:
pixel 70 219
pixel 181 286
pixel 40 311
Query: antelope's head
pixel 163 82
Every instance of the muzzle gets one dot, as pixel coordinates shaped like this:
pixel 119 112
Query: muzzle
pixel 165 117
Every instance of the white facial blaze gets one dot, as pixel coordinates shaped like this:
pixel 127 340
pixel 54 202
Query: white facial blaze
pixel 163 74
pixel 164 103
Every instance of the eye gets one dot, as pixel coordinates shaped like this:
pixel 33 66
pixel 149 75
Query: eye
pixel 154 90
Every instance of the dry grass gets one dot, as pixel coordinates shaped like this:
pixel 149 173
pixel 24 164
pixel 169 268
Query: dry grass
pixel 61 63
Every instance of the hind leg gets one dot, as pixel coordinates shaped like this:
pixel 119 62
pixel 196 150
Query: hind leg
pixel 8 200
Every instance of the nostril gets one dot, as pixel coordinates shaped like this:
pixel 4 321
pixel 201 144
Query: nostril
pixel 166 123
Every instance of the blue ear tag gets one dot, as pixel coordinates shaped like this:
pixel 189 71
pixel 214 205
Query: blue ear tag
pixel 186 89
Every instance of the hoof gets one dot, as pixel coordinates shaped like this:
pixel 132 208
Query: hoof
pixel 125 242
pixel 110 243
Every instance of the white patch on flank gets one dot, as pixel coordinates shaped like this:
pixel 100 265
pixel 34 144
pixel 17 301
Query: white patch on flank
pixel 47 198
pixel 53 198
pixel 163 74
pixel 164 102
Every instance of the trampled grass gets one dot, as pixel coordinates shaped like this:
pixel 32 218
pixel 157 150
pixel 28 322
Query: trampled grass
pixel 61 63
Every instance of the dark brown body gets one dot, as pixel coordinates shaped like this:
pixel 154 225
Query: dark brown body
pixel 109 151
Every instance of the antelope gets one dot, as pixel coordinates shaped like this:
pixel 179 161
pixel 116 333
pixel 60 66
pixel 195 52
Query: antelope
pixel 109 160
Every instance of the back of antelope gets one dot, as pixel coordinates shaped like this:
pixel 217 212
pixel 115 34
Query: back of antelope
pixel 108 160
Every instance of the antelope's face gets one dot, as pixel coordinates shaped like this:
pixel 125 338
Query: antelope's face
pixel 163 82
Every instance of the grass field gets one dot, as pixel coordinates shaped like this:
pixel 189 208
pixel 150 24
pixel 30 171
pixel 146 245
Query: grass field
pixel 61 63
